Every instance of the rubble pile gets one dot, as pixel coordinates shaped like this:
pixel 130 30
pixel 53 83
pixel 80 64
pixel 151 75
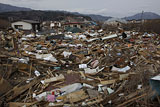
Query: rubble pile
pixel 79 70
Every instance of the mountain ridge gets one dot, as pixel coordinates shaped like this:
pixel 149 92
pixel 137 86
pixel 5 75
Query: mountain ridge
pixel 10 8
pixel 146 15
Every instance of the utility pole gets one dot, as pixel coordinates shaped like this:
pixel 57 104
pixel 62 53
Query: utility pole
pixel 142 15
pixel 142 20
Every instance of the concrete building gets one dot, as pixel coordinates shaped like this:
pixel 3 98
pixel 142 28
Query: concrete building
pixel 74 24
pixel 55 24
pixel 26 25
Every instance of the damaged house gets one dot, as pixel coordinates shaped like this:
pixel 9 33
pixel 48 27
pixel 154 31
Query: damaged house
pixel 26 25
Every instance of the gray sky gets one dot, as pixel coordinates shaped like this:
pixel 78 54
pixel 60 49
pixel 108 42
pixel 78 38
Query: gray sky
pixel 116 8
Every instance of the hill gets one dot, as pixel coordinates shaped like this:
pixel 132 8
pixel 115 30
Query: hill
pixel 18 13
pixel 145 15
pixel 99 17
pixel 9 8
pixel 39 15
pixel 94 16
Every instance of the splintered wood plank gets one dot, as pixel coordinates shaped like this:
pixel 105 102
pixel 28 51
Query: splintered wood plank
pixel 77 96
pixel 17 90
pixel 5 86
pixel 133 99
pixel 107 82
pixel 53 79
pixel 94 102
pixel 19 104
pixel 74 96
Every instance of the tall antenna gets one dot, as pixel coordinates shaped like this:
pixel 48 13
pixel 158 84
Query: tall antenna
pixel 142 20
pixel 142 15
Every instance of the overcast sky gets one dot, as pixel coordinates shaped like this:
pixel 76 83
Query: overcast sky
pixel 116 8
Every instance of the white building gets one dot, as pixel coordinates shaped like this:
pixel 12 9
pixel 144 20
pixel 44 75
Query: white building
pixel 26 25
pixel 55 25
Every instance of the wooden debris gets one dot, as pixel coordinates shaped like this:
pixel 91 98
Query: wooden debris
pixel 74 96
pixel 5 86
pixel 53 79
